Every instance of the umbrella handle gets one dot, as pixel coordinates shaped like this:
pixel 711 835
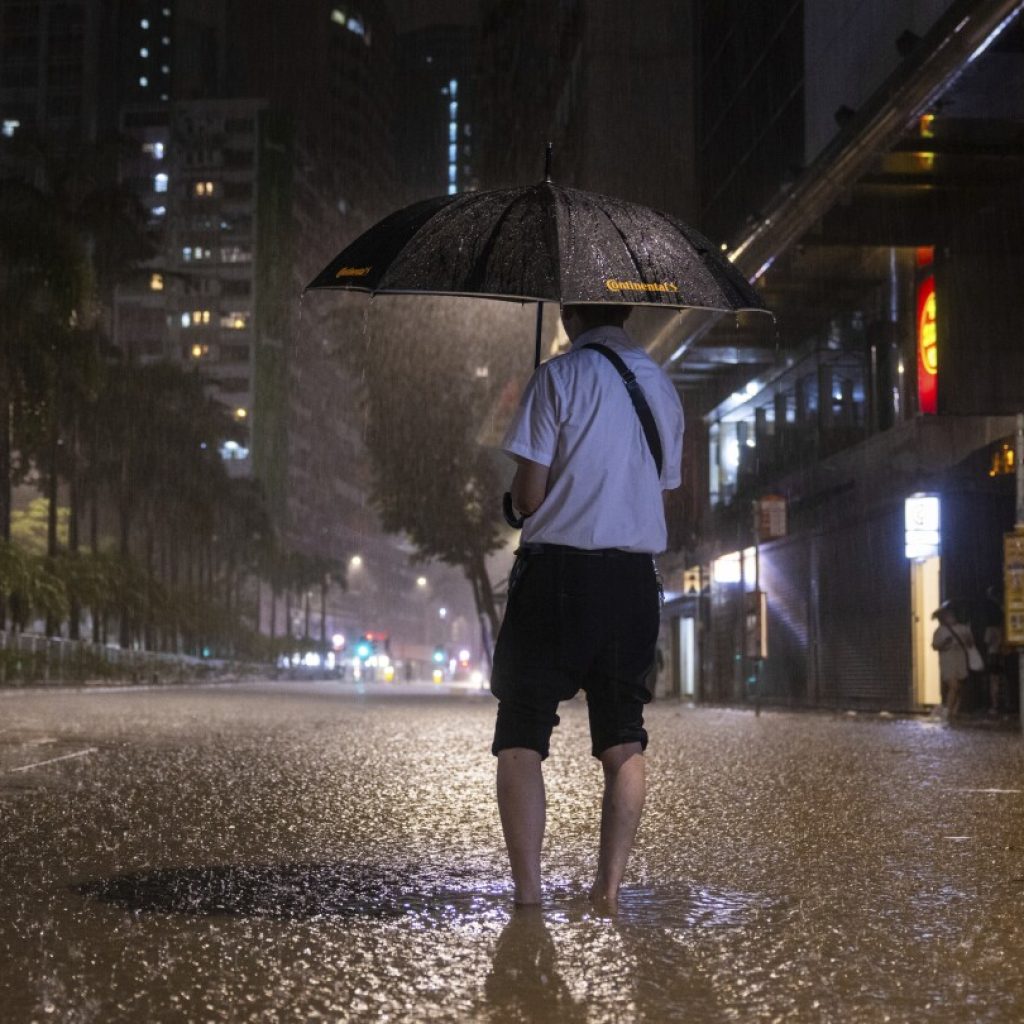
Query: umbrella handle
pixel 508 510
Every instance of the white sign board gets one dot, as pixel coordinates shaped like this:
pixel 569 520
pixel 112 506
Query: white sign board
pixel 923 526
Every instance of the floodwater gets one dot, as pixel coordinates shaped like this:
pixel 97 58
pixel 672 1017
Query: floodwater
pixel 308 852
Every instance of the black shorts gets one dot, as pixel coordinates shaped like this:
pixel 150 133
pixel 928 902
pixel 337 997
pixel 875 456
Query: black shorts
pixel 576 620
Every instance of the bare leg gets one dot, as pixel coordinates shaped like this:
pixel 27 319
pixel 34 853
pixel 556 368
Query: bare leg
pixel 522 807
pixel 624 791
pixel 954 699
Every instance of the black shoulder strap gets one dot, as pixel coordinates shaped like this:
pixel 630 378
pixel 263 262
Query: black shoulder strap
pixel 637 397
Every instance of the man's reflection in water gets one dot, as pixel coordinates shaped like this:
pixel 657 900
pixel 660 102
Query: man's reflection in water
pixel 524 983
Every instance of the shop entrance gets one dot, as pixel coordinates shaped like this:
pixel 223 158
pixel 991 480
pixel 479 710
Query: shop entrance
pixel 924 599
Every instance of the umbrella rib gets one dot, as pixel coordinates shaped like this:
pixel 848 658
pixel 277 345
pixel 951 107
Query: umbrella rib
pixel 557 247
pixel 625 243
pixel 479 264
pixel 446 208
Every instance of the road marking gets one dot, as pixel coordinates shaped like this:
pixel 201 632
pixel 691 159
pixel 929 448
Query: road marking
pixel 53 760
pixel 988 790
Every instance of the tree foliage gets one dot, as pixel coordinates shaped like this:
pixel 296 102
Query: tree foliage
pixel 142 441
pixel 436 373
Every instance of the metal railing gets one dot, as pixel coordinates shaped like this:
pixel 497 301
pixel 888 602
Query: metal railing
pixel 33 658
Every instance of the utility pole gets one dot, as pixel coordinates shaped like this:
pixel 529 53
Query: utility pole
pixel 1018 529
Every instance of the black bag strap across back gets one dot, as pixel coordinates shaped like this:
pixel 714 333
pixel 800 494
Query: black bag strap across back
pixel 637 397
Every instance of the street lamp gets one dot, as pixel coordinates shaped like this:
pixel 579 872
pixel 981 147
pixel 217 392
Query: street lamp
pixel 355 561
pixel 443 612
pixel 421 581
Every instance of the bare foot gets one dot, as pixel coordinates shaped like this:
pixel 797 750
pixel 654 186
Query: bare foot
pixel 604 903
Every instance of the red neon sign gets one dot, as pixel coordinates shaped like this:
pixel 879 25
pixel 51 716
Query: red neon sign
pixel 927 348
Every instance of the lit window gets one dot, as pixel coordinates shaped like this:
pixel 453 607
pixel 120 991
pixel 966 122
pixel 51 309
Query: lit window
pixel 728 568
pixel 235 254
pixel 232 450
pixel 453 154
pixel 186 253
pixel 241 413
pixel 144 24
pixel 235 321
pixel 338 16
pixel 154 149
pixel 10 126
pixel 201 316
pixel 156 282
pixel 451 174
pixel 453 88
pixel 453 111
pixel 144 52
pixel 203 188
pixel 186 319
pixel 143 81
pixel 164 96
pixel 160 182
pixel 453 131
pixel 165 69
pixel 452 190
pixel 166 40
pixel 167 12
pixel 198 351
pixel 159 211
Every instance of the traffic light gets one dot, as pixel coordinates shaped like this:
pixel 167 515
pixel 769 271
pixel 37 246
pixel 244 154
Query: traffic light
pixel 364 648
pixel 439 654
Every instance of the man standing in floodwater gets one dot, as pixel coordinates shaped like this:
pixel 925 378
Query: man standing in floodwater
pixel 583 602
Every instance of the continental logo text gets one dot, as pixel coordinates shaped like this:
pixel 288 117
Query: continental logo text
pixel 640 286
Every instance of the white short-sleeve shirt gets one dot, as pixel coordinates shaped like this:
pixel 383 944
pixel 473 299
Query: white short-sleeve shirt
pixel 576 417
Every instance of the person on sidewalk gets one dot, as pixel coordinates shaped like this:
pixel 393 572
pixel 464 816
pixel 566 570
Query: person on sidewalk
pixel 954 641
pixel 583 596
pixel 995 651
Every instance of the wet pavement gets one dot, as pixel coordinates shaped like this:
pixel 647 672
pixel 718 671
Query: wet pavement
pixel 308 852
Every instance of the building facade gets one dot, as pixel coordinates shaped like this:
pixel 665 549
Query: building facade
pixel 877 413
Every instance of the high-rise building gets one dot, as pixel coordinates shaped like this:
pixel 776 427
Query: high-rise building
pixel 608 84
pixel 435 127
pixel 259 139
pixel 195 168
pixel 52 64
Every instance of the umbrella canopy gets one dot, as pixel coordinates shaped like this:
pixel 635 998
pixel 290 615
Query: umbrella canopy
pixel 541 243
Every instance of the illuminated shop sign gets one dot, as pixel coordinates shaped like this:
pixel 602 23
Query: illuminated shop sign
pixel 927 347
pixel 923 526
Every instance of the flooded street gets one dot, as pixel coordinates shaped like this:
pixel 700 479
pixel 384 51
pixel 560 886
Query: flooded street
pixel 311 852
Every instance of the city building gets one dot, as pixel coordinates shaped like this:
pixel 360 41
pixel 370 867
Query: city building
pixel 436 118
pixel 610 86
pixel 863 166
pixel 51 60
pixel 197 173
pixel 259 138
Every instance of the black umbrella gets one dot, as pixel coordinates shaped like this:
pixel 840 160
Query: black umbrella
pixel 541 243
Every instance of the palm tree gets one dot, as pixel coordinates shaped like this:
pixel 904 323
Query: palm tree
pixel 68 233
